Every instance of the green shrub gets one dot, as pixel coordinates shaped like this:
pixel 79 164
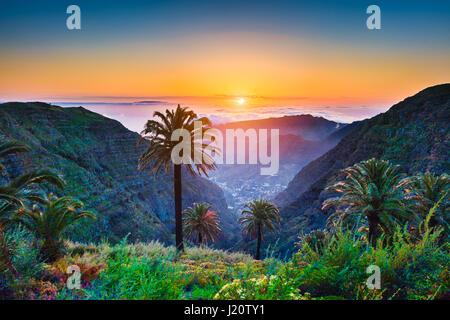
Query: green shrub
pixel 25 254
pixel 24 258
pixel 128 276
pixel 263 288
pixel 410 269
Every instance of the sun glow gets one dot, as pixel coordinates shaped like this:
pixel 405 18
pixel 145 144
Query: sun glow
pixel 241 101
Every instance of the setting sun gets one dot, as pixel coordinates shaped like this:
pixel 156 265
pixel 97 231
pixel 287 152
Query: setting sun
pixel 241 100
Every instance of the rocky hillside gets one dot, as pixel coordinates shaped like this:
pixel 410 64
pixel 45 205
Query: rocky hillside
pixel 98 158
pixel 414 134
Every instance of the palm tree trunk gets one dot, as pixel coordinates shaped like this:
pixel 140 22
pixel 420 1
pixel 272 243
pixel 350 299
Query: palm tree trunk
pixel 51 250
pixel 200 239
pixel 258 245
pixel 178 204
pixel 373 221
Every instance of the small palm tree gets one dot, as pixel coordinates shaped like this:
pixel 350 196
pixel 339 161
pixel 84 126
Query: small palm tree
pixel 372 189
pixel 259 215
pixel 8 147
pixel 426 190
pixel 158 133
pixel 200 221
pixel 49 221
pixel 19 191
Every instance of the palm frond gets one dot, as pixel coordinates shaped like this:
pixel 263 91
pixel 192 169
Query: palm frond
pixel 158 134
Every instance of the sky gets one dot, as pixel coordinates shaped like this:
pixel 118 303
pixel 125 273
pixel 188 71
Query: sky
pixel 230 60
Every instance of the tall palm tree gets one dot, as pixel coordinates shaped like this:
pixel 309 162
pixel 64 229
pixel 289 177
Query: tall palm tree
pixel 49 221
pixel 372 189
pixel 158 134
pixel 426 190
pixel 259 215
pixel 201 221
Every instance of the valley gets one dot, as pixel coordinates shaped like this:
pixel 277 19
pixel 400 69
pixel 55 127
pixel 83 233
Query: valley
pixel 244 182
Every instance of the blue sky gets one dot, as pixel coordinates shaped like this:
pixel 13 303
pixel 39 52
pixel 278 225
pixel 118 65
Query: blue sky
pixel 404 23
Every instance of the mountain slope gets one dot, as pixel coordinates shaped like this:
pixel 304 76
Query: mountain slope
pixel 98 158
pixel 414 134
pixel 299 184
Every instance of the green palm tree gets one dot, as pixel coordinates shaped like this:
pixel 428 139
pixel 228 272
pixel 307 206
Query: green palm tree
pixel 49 221
pixel 199 220
pixel 17 192
pixel 426 190
pixel 8 147
pixel 158 134
pixel 372 189
pixel 259 215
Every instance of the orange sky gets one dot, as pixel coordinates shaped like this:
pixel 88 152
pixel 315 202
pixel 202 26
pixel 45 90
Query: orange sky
pixel 268 69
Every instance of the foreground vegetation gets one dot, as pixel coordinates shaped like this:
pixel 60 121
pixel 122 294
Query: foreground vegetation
pixel 327 266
